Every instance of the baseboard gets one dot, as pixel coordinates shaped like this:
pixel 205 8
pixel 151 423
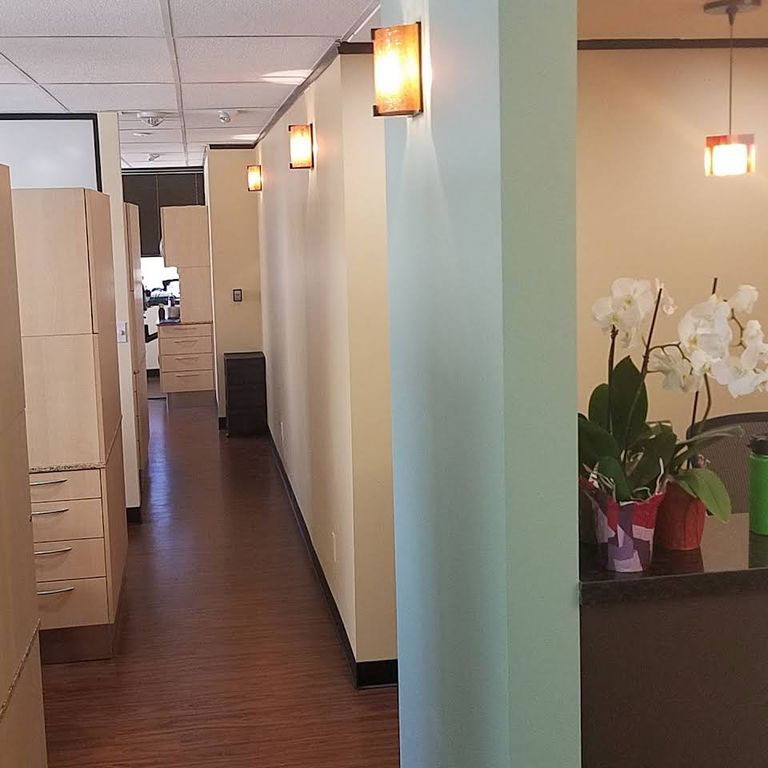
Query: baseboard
pixel 222 422
pixel 153 373
pixel 365 674
pixel 134 515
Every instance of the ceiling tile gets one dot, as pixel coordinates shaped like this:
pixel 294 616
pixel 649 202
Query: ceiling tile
pixel 154 137
pixel 234 95
pixel 81 17
pixel 138 149
pixel 106 98
pixel 266 17
pixel 245 59
pixel 26 98
pixel 219 135
pixel 90 60
pixel 9 74
pixel 209 118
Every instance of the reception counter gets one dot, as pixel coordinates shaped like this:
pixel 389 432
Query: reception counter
pixel 675 661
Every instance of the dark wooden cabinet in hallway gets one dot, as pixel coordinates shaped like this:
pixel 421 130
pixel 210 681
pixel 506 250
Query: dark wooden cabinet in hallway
pixel 227 655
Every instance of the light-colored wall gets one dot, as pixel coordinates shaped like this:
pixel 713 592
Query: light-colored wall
pixel 234 232
pixel 325 332
pixel 112 185
pixel 646 208
pixel 481 258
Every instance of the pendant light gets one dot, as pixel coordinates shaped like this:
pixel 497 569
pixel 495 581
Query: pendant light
pixel 731 154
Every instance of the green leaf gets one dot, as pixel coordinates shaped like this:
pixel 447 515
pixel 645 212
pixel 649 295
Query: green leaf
pixel 656 449
pixel 628 389
pixel 594 442
pixel 705 485
pixel 688 449
pixel 611 467
pixel 598 406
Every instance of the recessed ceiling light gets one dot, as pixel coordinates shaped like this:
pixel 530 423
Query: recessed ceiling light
pixel 287 76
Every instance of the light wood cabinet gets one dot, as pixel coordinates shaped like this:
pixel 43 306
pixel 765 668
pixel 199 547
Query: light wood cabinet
pixel 73 418
pixel 182 367
pixel 185 236
pixel 196 294
pixel 22 730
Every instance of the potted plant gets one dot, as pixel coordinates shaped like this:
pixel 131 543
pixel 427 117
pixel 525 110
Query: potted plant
pixel 627 462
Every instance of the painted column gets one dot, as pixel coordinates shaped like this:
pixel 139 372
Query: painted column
pixel 481 259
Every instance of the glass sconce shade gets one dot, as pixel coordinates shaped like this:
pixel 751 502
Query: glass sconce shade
pixel 255 180
pixel 730 155
pixel 397 70
pixel 302 145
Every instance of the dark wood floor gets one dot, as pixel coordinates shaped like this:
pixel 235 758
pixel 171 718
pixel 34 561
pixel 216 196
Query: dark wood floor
pixel 227 654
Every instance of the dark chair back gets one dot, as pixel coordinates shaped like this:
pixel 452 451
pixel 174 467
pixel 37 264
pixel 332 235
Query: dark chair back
pixel 729 457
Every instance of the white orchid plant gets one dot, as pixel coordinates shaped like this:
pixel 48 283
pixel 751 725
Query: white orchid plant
pixel 619 450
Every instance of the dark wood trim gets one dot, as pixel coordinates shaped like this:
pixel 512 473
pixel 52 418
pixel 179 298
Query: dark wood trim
pixel 244 145
pixel 346 49
pixel 222 422
pixel 195 169
pixel 133 514
pixel 366 674
pixel 646 44
pixel 92 116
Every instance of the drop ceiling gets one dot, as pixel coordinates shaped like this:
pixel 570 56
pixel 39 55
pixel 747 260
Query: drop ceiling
pixel 188 59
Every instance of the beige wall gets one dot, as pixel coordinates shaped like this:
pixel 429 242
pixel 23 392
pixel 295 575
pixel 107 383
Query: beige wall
pixel 645 206
pixel 323 248
pixel 234 232
pixel 112 185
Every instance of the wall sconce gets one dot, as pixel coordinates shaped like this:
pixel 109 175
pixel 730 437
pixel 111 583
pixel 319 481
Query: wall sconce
pixel 730 155
pixel 302 143
pixel 397 70
pixel 255 180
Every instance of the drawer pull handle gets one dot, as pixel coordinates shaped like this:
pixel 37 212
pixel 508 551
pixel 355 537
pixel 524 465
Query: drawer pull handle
pixel 186 375
pixel 185 341
pixel 50 511
pixel 187 357
pixel 61 591
pixel 35 483
pixel 46 552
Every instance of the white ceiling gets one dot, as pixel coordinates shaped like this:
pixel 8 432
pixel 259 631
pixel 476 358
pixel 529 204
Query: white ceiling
pixel 186 58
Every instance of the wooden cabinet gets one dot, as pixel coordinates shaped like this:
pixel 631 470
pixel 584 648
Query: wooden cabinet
pixel 186 361
pixel 69 346
pixel 196 294
pixel 245 376
pixel 138 343
pixel 185 236
pixel 22 731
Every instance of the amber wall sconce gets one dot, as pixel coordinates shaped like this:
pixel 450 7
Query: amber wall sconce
pixel 302 145
pixel 255 179
pixel 397 70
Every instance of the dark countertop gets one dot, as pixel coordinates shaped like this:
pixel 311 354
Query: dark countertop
pixel 731 559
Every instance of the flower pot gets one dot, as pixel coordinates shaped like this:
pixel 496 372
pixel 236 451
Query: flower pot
pixel 624 531
pixel 680 521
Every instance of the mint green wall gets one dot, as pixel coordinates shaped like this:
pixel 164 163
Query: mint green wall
pixel 483 401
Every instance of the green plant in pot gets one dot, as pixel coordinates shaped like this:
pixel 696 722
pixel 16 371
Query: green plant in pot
pixel 633 470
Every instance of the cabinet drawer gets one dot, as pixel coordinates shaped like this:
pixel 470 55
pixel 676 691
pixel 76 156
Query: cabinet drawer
pixel 72 559
pixel 74 603
pixel 186 363
pixel 193 345
pixel 56 521
pixel 184 330
pixel 62 486
pixel 187 381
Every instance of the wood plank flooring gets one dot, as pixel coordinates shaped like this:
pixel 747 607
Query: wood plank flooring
pixel 227 655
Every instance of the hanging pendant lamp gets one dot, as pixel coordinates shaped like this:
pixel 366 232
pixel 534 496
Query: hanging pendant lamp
pixel 730 154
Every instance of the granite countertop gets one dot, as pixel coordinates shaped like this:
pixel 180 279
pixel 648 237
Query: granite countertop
pixel 731 559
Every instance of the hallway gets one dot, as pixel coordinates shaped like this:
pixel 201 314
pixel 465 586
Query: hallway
pixel 227 654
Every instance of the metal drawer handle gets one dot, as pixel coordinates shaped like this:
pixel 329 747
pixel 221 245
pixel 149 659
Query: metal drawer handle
pixel 51 511
pixel 55 591
pixel 35 483
pixel 187 357
pixel 186 375
pixel 61 551
pixel 184 341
